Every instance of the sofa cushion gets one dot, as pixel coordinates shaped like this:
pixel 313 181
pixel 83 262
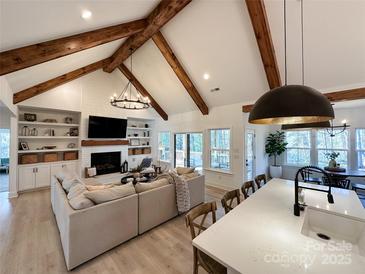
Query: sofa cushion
pixel 76 190
pixel 98 187
pixel 184 170
pixel 188 176
pixel 65 174
pixel 141 187
pixel 109 194
pixel 80 202
pixel 67 183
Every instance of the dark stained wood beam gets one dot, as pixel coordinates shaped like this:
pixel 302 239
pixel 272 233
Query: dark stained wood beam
pixel 346 95
pixel 176 66
pixel 20 58
pixel 55 82
pixel 336 96
pixel 165 10
pixel 260 24
pixel 128 74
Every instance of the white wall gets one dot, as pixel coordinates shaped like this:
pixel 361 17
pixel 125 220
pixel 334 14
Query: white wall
pixel 6 95
pixel 229 116
pixel 5 115
pixel 89 95
pixel 10 120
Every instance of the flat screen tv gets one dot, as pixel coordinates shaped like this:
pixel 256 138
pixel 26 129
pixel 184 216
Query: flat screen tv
pixel 107 128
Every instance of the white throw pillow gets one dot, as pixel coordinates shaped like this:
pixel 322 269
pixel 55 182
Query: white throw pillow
pixel 67 183
pixel 76 190
pixel 109 194
pixel 80 202
pixel 65 174
pixel 141 187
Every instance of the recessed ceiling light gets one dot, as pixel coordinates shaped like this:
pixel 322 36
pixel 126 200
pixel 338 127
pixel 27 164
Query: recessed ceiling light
pixel 86 14
pixel 206 76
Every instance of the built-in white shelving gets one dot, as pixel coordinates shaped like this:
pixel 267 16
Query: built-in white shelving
pixel 47 124
pixel 38 133
pixel 139 128
pixel 138 137
pixel 47 150
pixel 48 137
pixel 139 146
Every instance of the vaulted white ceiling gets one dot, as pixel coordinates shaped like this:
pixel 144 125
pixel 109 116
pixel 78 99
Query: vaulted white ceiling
pixel 207 36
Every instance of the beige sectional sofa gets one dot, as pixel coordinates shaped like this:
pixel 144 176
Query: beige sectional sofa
pixel 89 232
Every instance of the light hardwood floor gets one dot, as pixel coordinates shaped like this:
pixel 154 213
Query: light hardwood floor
pixel 30 243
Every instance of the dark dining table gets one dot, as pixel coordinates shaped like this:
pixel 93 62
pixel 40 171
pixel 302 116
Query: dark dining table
pixel 337 176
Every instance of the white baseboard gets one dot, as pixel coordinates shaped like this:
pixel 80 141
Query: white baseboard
pixel 12 195
pixel 224 187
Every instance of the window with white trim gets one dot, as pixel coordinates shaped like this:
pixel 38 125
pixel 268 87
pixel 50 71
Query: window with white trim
pixel 327 144
pixel 360 147
pixel 220 149
pixel 298 151
pixel 164 146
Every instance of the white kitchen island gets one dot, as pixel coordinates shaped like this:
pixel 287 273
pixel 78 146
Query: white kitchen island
pixel 262 235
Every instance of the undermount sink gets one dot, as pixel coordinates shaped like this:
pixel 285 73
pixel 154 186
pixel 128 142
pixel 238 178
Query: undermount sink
pixel 326 226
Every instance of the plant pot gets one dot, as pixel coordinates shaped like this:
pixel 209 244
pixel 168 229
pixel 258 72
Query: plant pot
pixel 332 164
pixel 276 171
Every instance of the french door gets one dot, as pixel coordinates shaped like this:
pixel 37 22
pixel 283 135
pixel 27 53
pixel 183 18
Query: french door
pixel 250 157
pixel 188 150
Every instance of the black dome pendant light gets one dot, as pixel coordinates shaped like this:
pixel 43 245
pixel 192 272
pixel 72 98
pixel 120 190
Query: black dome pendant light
pixel 291 104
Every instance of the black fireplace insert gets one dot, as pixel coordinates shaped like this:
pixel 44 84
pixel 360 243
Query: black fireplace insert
pixel 106 162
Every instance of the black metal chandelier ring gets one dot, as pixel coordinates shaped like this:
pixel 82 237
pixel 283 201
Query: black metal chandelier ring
pixel 129 104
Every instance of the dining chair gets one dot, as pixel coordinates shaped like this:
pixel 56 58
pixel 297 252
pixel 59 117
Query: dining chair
pixel 245 188
pixel 229 198
pixel 260 179
pixel 308 178
pixel 196 219
pixel 338 182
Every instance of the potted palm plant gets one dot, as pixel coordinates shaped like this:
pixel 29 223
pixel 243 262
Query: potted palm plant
pixel 275 146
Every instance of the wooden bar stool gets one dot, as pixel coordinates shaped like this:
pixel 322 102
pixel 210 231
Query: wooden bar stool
pixel 260 179
pixel 228 199
pixel 245 188
pixel 200 258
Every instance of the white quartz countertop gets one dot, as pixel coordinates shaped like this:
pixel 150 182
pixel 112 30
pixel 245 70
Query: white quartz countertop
pixel 262 235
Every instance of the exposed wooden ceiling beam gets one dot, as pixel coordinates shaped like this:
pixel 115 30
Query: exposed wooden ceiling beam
pixel 128 74
pixel 260 24
pixel 346 95
pixel 336 96
pixel 165 10
pixel 20 58
pixel 55 82
pixel 170 57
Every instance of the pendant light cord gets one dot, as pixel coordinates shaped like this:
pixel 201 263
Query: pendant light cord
pixel 285 62
pixel 302 26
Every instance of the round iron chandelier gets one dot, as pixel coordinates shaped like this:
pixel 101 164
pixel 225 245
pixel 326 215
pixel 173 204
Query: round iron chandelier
pixel 128 99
